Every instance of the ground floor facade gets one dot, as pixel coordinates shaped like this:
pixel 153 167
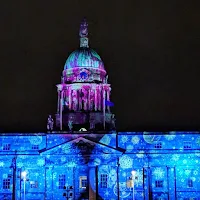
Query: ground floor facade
pixel 93 166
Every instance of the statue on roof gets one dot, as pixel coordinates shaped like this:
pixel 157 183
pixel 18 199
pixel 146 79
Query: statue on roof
pixel 83 32
pixel 50 123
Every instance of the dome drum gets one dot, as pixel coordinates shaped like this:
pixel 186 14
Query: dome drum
pixel 84 75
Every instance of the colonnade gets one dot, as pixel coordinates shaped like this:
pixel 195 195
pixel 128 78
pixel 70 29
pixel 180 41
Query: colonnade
pixel 79 97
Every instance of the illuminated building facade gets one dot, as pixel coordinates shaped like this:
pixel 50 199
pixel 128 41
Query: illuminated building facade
pixel 84 157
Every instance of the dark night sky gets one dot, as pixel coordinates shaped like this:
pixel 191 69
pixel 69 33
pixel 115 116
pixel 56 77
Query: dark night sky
pixel 150 50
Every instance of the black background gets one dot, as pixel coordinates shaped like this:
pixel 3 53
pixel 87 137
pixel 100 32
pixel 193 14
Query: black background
pixel 150 50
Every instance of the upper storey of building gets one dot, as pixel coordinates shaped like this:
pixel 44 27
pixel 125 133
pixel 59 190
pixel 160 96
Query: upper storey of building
pixel 84 64
pixel 84 91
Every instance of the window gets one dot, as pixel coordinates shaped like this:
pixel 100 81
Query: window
pixel 187 145
pixel 35 147
pixel 6 183
pixel 83 182
pixel 158 145
pixel 33 184
pixel 159 184
pixel 6 147
pixel 190 183
pixel 61 181
pixel 104 181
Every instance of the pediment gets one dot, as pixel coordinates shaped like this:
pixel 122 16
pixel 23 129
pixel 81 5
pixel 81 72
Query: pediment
pixel 81 146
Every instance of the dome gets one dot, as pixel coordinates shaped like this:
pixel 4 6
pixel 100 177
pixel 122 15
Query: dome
pixel 84 58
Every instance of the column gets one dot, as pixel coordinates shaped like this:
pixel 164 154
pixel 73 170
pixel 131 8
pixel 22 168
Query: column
pixel 147 194
pixel 80 99
pixel 89 99
pixel 61 109
pixel 58 105
pixel 92 183
pixel 104 111
pixel 108 99
pixel 48 182
pixel 171 176
pixel 85 99
pixel 95 99
pixel 76 102
pixel 70 98
pixel 99 98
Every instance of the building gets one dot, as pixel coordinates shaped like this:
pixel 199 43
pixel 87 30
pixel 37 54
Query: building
pixel 84 157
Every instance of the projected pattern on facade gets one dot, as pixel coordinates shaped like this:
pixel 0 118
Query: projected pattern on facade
pixel 167 167
pixel 83 157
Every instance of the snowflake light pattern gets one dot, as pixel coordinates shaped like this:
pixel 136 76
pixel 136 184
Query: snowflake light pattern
pixel 158 173
pixel 135 139
pixel 126 162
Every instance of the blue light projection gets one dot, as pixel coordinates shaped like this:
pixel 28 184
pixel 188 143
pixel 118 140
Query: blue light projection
pixel 99 166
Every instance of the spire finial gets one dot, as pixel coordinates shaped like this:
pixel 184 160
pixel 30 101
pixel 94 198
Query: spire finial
pixel 83 33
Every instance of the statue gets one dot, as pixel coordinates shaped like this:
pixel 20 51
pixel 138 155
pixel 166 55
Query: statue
pixel 70 125
pixel 62 79
pixel 113 121
pixel 92 125
pixel 83 32
pixel 50 123
pixel 107 79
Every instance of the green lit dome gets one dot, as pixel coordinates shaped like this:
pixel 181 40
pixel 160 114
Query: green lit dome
pixel 84 58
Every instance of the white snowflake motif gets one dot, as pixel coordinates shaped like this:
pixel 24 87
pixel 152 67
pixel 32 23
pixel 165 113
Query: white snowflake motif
pixel 158 173
pixel 139 179
pixel 106 140
pixel 124 139
pixel 184 161
pixel 198 140
pixel 113 176
pixel 63 158
pixel 170 137
pixel 5 176
pixel 154 153
pixel 20 164
pixel 124 174
pixel 40 162
pixel 123 190
pixel 66 148
pixel 187 172
pixel 71 164
pixel 195 172
pixel 125 162
pixel 175 157
pixel 36 139
pixel 135 139
pixel 129 148
pixel 48 156
pixel 140 154
pixel 197 153
pixel 54 176
pixel 1 164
